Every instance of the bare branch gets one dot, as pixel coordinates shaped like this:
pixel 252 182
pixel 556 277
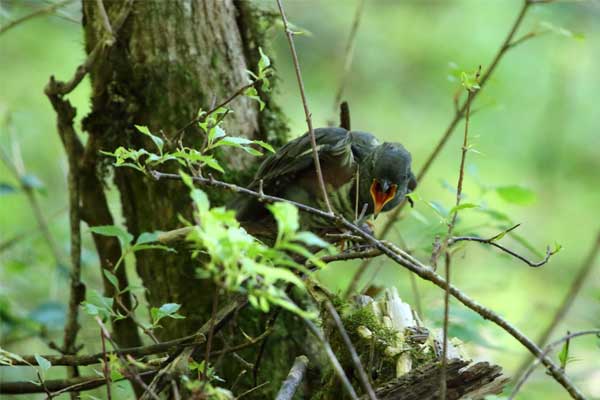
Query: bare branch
pixel 547 350
pixel 106 369
pixel 55 87
pixel 140 351
pixel 307 114
pixel 404 259
pixel 293 380
pixel 56 387
pixel 105 19
pixel 565 305
pixel 133 373
pixel 337 367
pixel 42 11
pixel 490 241
pixel 349 54
pixel 179 134
pixel 362 375
pixel 443 248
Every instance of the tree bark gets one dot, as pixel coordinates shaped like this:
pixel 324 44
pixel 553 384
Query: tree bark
pixel 170 59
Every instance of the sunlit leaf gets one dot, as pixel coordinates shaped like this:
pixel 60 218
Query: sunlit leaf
pixel 112 230
pixel 516 194
pixel 42 362
pixel 157 140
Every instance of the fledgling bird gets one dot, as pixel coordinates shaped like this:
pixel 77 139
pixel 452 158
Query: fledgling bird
pixel 351 161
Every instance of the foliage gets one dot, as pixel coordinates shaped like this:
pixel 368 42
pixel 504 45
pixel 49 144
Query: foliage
pixel 238 262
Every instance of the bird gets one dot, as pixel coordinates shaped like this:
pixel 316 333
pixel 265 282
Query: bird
pixel 358 172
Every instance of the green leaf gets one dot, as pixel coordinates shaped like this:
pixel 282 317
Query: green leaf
pixel 516 194
pixel 265 145
pixel 42 362
pixel 310 239
pixel 157 141
pixel 112 230
pixel 286 216
pixel 264 61
pixel 111 278
pixel 213 163
pixel 187 180
pixel 462 206
pixel 252 93
pixel 144 246
pixel 148 237
pixel 563 356
pixel 166 310
pixel 6 357
pixel 98 305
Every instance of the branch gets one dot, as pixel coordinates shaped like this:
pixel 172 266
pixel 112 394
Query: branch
pixel 444 247
pixel 404 259
pixel 491 242
pixel 85 187
pixel 39 12
pixel 60 88
pixel 337 367
pixel 236 94
pixel 59 386
pixel 139 351
pixel 349 54
pixel 460 112
pixel 547 350
pixel 293 380
pixel 362 375
pixel 311 131
pixel 133 373
pixel 580 279
pixel 170 370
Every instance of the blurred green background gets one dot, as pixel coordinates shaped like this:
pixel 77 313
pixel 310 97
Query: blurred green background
pixel 536 125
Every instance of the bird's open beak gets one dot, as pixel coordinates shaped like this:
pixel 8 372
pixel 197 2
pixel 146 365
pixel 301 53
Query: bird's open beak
pixel 381 194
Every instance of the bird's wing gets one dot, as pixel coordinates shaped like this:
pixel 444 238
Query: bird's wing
pixel 295 160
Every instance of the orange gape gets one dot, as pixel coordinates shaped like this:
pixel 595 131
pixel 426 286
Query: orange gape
pixel 380 197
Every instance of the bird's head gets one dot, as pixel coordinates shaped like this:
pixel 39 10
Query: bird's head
pixel 385 178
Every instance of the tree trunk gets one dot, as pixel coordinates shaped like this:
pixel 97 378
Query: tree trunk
pixel 170 59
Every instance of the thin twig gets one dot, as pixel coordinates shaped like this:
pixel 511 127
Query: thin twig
pixel 131 370
pixel 42 11
pixel 106 369
pixel 458 115
pixel 349 54
pixel 337 367
pixel 534 264
pixel 293 380
pixel 444 367
pixel 235 95
pixel 105 19
pixel 547 350
pixel 35 206
pixel 77 288
pixel 404 259
pixel 211 331
pixel 254 389
pixel 565 305
pixel 55 387
pixel 444 247
pixel 172 368
pixel 362 375
pixel 307 114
